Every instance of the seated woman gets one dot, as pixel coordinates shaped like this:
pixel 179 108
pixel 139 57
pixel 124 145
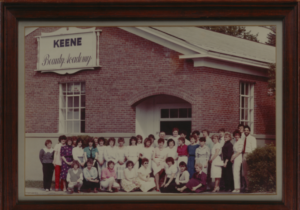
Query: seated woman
pixel 198 181
pixel 130 183
pixel 108 178
pixel 46 158
pixel 169 181
pixel 182 177
pixel 158 161
pixel 74 177
pixel 90 175
pixel 144 179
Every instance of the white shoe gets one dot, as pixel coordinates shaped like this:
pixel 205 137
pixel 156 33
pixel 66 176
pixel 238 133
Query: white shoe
pixel 47 190
pixel 236 191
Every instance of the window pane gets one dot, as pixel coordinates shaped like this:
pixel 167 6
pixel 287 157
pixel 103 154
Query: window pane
pixel 246 114
pixel 189 112
pixel 70 114
pixel 76 101
pixel 242 114
pixel 246 102
pixel 164 113
pixel 242 88
pixel 183 113
pixel 246 89
pixel 83 101
pixel 69 127
pixel 173 113
pixel 82 88
pixel 82 114
pixel 70 101
pixel 70 88
pixel 82 126
pixel 76 127
pixel 76 87
pixel 63 87
pixel 76 114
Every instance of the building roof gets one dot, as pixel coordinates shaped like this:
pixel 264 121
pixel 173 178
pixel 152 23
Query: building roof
pixel 221 43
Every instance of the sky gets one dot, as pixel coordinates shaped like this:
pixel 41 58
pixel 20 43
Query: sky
pixel 262 32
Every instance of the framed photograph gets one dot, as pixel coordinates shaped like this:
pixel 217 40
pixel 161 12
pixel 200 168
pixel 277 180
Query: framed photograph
pixel 122 105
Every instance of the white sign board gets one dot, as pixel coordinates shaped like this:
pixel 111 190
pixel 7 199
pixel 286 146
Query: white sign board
pixel 68 50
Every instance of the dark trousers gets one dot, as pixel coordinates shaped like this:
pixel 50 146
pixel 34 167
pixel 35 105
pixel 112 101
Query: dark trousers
pixel 170 188
pixel 227 176
pixel 208 179
pixel 48 169
pixel 90 185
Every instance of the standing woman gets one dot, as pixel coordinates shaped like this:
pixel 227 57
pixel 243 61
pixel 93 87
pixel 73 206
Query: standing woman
pixel 192 151
pixel 91 152
pixel 100 159
pixel 227 151
pixel 74 138
pixel 67 160
pixel 171 151
pixel 147 152
pixel 203 154
pixel 110 153
pixel 216 170
pixel 96 141
pixel 182 151
pixel 147 182
pixel 169 182
pixel 152 138
pixel 133 152
pixel 237 160
pixel 57 161
pixel 121 151
pixel 140 145
pixel 78 153
pixel 175 136
pixel 46 158
pixel 158 161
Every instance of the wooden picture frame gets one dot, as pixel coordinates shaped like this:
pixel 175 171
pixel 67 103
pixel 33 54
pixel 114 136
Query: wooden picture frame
pixel 12 12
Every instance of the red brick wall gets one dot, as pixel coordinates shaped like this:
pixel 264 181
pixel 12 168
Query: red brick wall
pixel 132 65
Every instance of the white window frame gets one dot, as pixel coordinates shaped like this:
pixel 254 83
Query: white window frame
pixel 63 113
pixel 250 105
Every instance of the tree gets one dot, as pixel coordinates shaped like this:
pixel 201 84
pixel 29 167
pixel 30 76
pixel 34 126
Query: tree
pixel 272 79
pixel 271 36
pixel 237 31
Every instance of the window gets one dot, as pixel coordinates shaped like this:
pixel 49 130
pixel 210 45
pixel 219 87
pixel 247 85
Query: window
pixel 72 107
pixel 247 104
pixel 176 113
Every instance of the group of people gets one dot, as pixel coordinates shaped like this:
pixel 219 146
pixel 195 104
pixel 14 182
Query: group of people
pixel 173 165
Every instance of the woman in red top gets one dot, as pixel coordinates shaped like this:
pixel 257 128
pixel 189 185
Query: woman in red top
pixel 182 151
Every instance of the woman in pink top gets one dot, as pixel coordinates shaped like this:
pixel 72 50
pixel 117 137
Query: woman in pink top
pixel 158 161
pixel 108 178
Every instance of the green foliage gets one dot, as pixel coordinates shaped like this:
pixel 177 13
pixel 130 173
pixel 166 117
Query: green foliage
pixel 271 36
pixel 237 31
pixel 262 169
pixel 272 79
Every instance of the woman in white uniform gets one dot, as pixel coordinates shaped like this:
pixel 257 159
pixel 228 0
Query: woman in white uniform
pixel 216 162
pixel 121 151
pixel 237 160
pixel 140 145
pixel 110 153
pixel 77 152
pixel 147 151
pixel 203 154
pixel 100 159
pixel 133 152
pixel 158 161
pixel 171 151
pixel 147 183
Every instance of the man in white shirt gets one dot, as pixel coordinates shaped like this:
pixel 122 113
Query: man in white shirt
pixel 183 134
pixel 162 135
pixel 250 144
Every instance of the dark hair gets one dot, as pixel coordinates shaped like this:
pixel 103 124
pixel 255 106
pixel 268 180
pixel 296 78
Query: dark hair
pixel 69 139
pixel 170 159
pixel 171 140
pixel 241 125
pixel 121 139
pixel 183 164
pixel 236 132
pixel 48 141
pixel 62 137
pixel 205 130
pixel 139 137
pixel 160 140
pixel 183 132
pixel 247 126
pixel 145 160
pixel 90 139
pixel 202 139
pixel 79 140
pixel 221 130
pixel 196 132
pixel 75 162
pixel 151 136
pixel 175 129
pixel 129 162
pixel 112 139
pixel 181 139
pixel 194 137
pixel 101 139
pixel 74 138
pixel 90 161
pixel 133 138
pixel 110 162
pixel 146 140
